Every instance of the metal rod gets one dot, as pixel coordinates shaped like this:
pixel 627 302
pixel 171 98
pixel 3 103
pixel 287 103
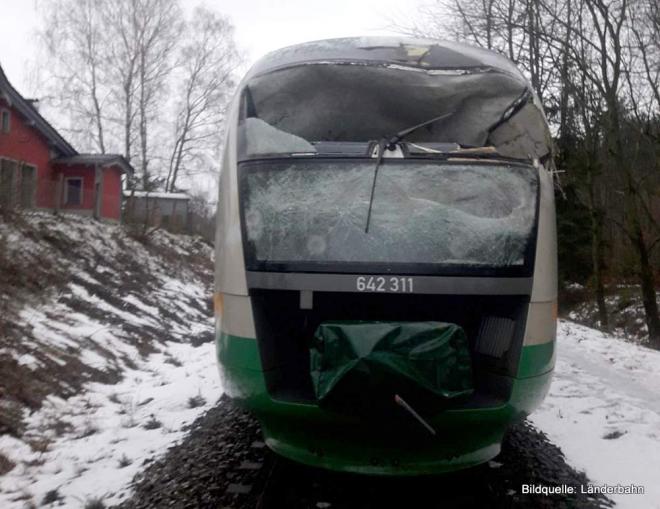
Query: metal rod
pixel 399 401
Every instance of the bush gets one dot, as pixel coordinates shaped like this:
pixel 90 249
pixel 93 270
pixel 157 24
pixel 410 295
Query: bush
pixel 152 423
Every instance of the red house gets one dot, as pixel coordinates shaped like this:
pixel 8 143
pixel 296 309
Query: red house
pixel 40 169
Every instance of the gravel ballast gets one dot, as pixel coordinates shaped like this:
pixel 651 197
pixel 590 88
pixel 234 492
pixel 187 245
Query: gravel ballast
pixel 223 463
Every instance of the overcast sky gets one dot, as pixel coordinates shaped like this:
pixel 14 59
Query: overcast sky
pixel 261 26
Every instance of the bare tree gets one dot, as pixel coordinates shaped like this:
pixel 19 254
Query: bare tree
pixel 596 65
pixel 122 63
pixel 514 28
pixel 75 41
pixel 208 60
pixel 112 64
pixel 146 34
pixel 158 25
pixel 609 20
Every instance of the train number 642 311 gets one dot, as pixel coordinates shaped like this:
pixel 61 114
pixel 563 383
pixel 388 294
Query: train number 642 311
pixel 384 284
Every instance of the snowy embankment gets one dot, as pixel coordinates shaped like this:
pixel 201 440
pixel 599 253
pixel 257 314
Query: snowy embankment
pixel 112 431
pixel 624 306
pixel 603 411
pixel 106 354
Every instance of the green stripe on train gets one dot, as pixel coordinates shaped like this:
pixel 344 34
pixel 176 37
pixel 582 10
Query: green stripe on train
pixel 238 351
pixel 536 360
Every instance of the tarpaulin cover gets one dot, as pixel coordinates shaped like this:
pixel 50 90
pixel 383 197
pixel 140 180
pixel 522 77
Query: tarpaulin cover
pixel 430 355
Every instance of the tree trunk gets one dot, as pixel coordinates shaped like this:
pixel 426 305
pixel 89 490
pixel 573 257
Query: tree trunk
pixel 636 233
pixel 648 289
pixel 98 116
pixel 565 88
pixel 597 256
pixel 128 115
pixel 144 162
pixel 488 7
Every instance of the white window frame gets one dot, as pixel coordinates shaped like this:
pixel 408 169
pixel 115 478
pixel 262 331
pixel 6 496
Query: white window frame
pixel 3 112
pixel 66 192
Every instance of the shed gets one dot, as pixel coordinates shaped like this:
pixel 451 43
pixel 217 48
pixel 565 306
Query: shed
pixel 170 211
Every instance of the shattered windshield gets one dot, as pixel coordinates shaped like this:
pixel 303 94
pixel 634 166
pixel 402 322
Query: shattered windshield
pixel 312 214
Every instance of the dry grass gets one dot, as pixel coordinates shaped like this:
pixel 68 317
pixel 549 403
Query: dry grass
pixel 95 503
pixel 152 423
pixel 5 464
pixel 196 401
pixel 51 497
pixel 125 461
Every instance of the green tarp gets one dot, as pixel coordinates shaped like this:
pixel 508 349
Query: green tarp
pixel 366 356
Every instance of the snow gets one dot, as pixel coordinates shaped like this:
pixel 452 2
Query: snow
pixel 121 311
pixel 105 429
pixel 156 194
pixel 604 386
pixel 603 409
pixel 28 360
pixel 263 138
pixel 625 308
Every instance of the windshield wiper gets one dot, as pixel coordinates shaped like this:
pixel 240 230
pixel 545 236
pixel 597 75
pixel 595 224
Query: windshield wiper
pixel 392 142
pixel 382 145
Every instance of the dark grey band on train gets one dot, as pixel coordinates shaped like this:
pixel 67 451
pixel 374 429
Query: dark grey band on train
pixel 406 284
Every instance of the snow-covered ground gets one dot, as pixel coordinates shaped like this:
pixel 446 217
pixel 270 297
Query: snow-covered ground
pixel 110 430
pixel 107 345
pixel 106 353
pixel 624 306
pixel 603 411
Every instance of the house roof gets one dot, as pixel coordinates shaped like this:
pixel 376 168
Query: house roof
pixel 25 108
pixel 100 159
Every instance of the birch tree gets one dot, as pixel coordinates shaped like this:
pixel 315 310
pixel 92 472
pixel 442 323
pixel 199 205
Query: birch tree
pixel 76 47
pixel 145 35
pixel 135 77
pixel 208 59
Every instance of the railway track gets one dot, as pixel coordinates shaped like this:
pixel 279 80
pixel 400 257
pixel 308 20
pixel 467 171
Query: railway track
pixel 223 463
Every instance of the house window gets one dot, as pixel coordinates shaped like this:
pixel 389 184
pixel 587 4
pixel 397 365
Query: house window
pixel 28 185
pixel 73 191
pixel 7 183
pixel 4 120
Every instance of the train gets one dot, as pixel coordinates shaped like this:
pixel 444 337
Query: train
pixel 386 254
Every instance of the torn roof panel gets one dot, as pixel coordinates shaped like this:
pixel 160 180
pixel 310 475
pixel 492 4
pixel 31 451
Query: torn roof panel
pixel 364 89
pixel 413 52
